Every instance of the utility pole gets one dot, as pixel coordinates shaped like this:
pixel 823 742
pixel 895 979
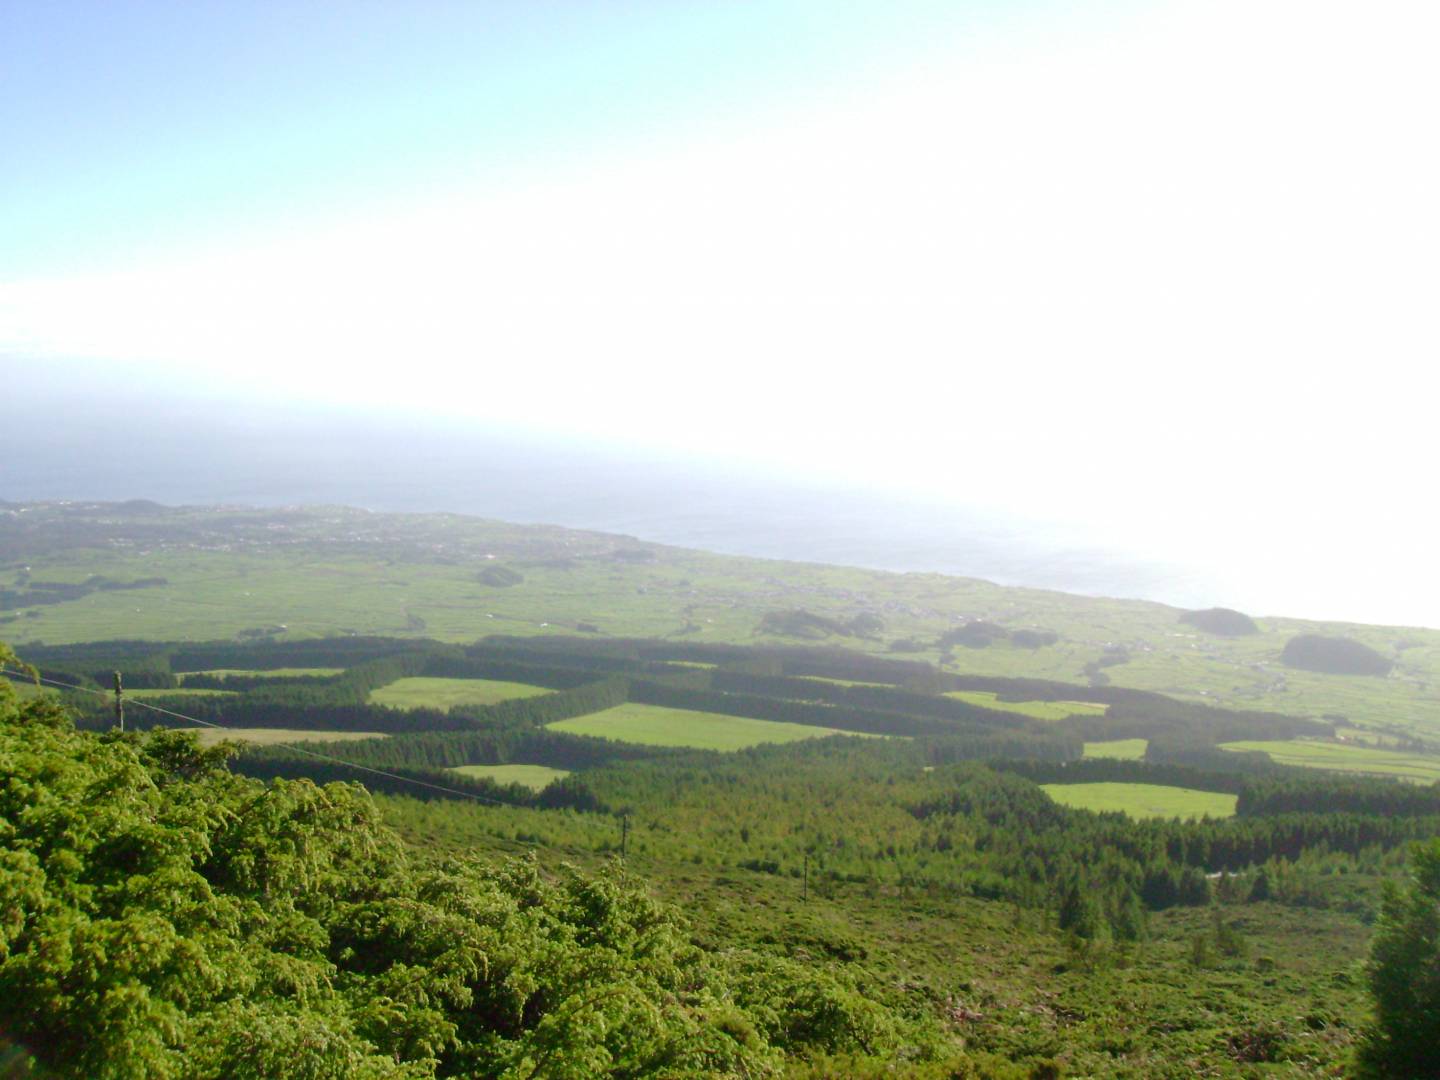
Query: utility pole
pixel 119 704
pixel 624 832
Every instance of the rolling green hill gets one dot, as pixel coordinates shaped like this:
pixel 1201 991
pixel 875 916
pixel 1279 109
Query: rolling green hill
pixel 286 574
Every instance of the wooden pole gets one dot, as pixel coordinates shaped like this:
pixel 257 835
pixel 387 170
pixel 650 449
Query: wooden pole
pixel 624 832
pixel 119 704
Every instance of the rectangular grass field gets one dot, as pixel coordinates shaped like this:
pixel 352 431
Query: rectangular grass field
pixel 1143 800
pixel 176 691
pixel 1038 710
pixel 264 673
pixel 422 692
pixel 1124 749
pixel 266 736
pixel 531 776
pixel 655 725
pixel 1345 758
pixel 849 682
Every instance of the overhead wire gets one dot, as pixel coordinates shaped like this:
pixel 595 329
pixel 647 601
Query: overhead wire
pixel 286 746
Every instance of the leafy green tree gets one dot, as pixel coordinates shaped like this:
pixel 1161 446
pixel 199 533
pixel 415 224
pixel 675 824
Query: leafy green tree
pixel 1128 919
pixel 1404 1040
pixel 1079 914
pixel 163 917
pixel 1261 890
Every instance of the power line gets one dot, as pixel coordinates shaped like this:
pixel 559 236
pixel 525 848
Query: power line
pixel 624 821
pixel 284 746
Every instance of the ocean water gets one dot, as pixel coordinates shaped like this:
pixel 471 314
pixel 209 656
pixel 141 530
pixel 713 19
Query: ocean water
pixel 218 455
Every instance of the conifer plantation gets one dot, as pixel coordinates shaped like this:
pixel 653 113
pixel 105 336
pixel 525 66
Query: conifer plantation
pixel 909 890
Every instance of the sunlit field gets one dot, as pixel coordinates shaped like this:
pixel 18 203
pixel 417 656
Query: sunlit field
pixel 419 692
pixel 1124 749
pixel 1039 710
pixel 654 725
pixel 531 776
pixel 1338 756
pixel 1143 800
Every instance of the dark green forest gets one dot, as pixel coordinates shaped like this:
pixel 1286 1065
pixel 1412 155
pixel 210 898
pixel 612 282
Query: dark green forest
pixel 909 904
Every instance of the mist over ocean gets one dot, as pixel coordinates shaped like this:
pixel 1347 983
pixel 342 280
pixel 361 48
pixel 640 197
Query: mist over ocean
pixel 174 455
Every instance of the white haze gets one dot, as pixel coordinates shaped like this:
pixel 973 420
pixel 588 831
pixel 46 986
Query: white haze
pixel 1171 280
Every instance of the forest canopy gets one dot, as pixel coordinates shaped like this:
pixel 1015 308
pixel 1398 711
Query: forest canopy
pixel 171 910
pixel 164 917
pixel 1334 656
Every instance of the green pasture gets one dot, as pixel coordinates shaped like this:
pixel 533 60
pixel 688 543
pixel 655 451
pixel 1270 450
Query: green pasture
pixel 1038 710
pixel 265 673
pixel 1124 749
pixel 655 725
pixel 1345 758
pixel 265 736
pixel 416 576
pixel 422 692
pixel 1143 800
pixel 531 776
pixel 1365 737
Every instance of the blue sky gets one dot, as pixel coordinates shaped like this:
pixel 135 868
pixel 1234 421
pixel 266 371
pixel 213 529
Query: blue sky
pixel 140 126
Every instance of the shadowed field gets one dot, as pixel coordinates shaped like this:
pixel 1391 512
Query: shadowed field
pixel 263 736
pixel 176 691
pixel 266 673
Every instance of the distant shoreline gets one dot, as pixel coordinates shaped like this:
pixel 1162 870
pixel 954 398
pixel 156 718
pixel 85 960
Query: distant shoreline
pixel 183 460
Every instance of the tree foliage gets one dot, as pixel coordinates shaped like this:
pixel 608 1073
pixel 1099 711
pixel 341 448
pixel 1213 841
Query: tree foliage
pixel 1404 1039
pixel 1333 656
pixel 163 917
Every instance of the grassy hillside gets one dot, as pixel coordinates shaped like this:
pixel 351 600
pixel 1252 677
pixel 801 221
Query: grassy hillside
pixel 147 572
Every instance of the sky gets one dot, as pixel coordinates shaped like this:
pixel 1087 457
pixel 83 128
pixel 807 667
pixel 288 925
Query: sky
pixel 1168 267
